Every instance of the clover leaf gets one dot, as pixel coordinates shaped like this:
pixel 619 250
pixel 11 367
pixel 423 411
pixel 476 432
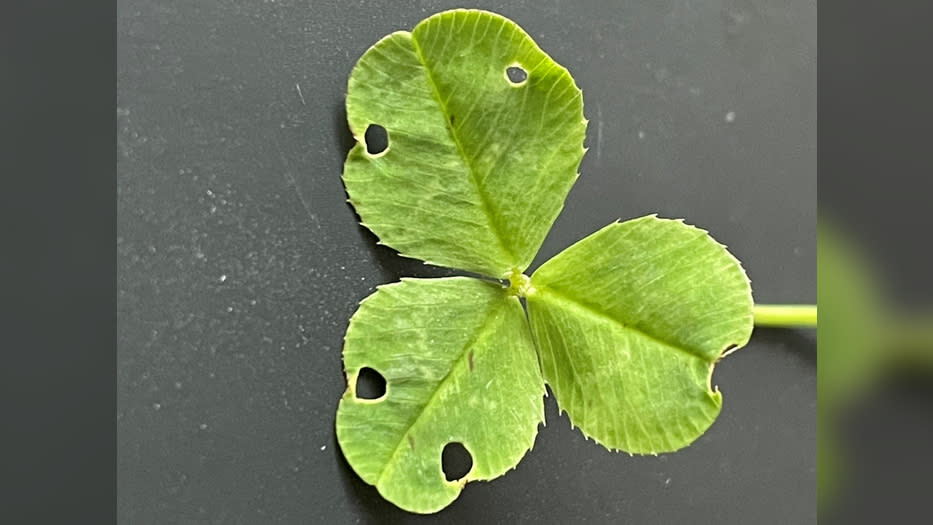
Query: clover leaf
pixel 485 133
pixel 460 367
pixel 477 166
pixel 629 323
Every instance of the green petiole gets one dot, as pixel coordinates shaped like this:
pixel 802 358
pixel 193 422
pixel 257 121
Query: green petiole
pixel 785 315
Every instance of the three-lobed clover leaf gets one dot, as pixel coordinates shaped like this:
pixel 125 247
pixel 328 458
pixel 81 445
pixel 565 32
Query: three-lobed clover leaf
pixel 485 134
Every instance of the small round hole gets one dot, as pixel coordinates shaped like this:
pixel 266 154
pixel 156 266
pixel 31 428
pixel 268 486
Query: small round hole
pixel 377 139
pixel 516 75
pixel 456 461
pixel 370 384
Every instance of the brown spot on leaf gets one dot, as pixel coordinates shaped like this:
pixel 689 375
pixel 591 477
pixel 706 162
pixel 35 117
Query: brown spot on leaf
pixel 470 359
pixel 411 441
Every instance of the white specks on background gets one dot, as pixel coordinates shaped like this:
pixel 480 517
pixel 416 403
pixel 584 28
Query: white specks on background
pixel 178 385
pixel 641 135
pixel 297 466
pixel 203 426
pixel 730 116
pixel 223 278
pixel 157 406
pixel 599 131
pixel 323 447
pixel 300 96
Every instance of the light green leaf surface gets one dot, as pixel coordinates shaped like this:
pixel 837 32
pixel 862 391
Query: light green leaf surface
pixel 851 335
pixel 629 323
pixel 477 168
pixel 851 345
pixel 460 366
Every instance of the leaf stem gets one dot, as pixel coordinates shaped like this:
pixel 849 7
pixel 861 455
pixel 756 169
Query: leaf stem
pixel 785 315
pixel 519 284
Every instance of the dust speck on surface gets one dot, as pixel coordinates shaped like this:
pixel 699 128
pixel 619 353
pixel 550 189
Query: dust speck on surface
pixel 730 116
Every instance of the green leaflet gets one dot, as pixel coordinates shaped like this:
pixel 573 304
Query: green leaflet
pixel 477 168
pixel 851 342
pixel 629 323
pixel 459 366
pixel 852 334
pixel 625 325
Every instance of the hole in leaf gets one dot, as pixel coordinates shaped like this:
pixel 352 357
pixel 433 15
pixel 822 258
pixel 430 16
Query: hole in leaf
pixel 456 461
pixel 516 74
pixel 370 384
pixel 377 139
pixel 728 350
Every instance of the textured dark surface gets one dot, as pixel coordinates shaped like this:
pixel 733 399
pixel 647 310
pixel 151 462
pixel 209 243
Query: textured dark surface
pixel 239 262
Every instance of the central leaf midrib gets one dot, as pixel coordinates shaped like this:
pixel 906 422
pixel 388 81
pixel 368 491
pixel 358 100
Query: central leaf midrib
pixel 485 203
pixel 563 296
pixel 477 337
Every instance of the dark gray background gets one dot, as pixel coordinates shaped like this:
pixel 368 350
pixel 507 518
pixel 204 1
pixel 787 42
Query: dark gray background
pixel 239 262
